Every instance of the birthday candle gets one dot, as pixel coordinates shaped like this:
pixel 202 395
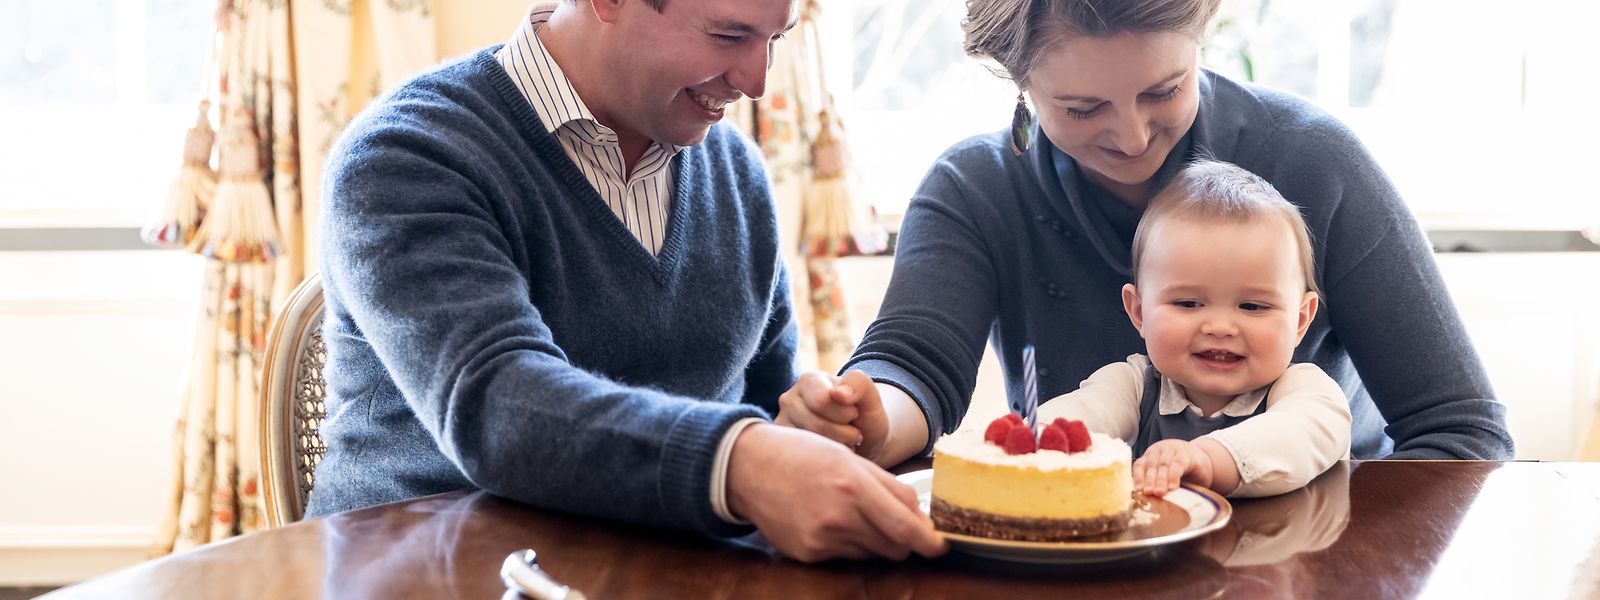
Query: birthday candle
pixel 1030 390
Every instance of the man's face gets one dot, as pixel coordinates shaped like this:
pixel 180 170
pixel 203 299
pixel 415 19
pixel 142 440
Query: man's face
pixel 672 73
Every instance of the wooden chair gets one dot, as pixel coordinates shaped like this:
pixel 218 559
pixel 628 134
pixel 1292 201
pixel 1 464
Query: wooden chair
pixel 293 407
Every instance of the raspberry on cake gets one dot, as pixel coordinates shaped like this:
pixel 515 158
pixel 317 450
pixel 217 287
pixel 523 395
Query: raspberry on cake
pixel 1002 484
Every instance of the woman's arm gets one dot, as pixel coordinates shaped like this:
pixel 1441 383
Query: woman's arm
pixel 1384 299
pixel 1392 312
pixel 928 338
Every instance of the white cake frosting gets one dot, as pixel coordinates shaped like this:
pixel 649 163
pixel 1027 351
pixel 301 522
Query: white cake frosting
pixel 969 444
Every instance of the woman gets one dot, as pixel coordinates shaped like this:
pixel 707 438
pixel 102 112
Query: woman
pixel 1024 239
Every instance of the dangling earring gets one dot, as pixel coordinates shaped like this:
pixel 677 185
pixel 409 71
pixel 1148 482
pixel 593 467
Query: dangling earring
pixel 1021 127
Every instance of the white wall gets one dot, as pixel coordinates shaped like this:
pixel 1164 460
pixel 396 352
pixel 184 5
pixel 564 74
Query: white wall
pixel 93 348
pixel 1532 318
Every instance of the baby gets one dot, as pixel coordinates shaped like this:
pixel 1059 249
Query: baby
pixel 1222 292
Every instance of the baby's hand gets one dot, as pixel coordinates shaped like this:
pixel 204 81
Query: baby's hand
pixel 1168 462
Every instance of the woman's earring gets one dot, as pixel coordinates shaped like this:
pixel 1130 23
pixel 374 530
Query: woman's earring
pixel 1021 127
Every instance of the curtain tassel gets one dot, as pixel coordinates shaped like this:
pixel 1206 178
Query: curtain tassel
pixel 239 227
pixel 833 223
pixel 191 192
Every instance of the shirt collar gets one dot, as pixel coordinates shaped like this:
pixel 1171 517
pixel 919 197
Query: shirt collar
pixel 1175 400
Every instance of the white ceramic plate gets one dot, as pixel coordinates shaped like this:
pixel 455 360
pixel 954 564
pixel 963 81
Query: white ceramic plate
pixel 1184 513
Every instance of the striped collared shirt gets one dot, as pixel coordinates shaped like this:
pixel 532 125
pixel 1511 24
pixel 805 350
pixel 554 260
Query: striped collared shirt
pixel 643 198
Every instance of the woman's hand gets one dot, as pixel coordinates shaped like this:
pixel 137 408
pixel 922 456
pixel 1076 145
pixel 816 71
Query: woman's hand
pixel 878 420
pixel 845 409
pixel 811 405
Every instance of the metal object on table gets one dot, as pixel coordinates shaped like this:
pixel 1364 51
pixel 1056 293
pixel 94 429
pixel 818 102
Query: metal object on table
pixel 521 574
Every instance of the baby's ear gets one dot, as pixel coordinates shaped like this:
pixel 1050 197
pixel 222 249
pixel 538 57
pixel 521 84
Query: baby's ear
pixel 1131 305
pixel 1308 312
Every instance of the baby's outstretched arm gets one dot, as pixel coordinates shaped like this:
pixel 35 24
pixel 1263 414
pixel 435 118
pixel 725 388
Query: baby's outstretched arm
pixel 1168 462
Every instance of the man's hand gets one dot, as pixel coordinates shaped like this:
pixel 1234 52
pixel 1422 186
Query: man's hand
pixel 814 500
pixel 844 409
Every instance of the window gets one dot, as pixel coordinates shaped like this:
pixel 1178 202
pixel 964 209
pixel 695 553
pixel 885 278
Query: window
pixel 1480 112
pixel 95 96
pixel 914 93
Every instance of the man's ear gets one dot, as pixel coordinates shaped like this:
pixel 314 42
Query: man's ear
pixel 1131 305
pixel 607 10
pixel 1308 312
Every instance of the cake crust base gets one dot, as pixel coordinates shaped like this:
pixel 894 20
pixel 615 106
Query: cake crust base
pixel 954 519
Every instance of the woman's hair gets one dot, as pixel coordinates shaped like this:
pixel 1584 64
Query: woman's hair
pixel 1016 32
pixel 1214 191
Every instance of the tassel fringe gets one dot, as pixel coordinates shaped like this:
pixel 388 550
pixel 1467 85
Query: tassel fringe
pixel 240 226
pixel 834 224
pixel 191 192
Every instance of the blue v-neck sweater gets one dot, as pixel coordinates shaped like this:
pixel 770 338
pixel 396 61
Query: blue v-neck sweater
pixel 491 324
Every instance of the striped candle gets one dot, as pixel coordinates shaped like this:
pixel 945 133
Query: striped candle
pixel 1030 390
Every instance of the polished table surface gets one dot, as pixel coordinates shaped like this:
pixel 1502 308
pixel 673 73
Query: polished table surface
pixel 1374 529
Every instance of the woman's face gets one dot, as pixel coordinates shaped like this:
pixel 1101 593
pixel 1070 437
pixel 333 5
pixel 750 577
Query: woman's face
pixel 1117 105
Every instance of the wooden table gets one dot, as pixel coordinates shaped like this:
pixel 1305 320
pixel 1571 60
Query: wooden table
pixel 1374 529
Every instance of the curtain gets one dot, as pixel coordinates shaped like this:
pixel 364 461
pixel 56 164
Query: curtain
pixel 800 133
pixel 288 75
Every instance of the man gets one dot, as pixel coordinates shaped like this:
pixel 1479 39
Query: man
pixel 550 276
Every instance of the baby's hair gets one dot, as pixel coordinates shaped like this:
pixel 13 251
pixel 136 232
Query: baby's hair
pixel 1213 190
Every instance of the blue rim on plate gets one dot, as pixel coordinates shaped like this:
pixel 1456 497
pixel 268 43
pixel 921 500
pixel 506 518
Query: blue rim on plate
pixel 1184 513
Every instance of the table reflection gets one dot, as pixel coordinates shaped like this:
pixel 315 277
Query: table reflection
pixel 1270 530
pixel 1374 529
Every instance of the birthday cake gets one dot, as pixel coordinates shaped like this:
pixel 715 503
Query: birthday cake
pixel 1004 483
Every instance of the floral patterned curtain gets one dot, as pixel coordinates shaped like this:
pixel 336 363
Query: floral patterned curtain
pixel 288 75
pixel 821 220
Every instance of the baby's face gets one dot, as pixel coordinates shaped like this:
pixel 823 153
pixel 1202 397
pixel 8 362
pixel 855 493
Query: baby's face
pixel 1221 306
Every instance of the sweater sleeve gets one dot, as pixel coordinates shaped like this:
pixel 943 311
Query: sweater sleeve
pixel 1387 304
pixel 929 335
pixel 772 370
pixel 419 259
